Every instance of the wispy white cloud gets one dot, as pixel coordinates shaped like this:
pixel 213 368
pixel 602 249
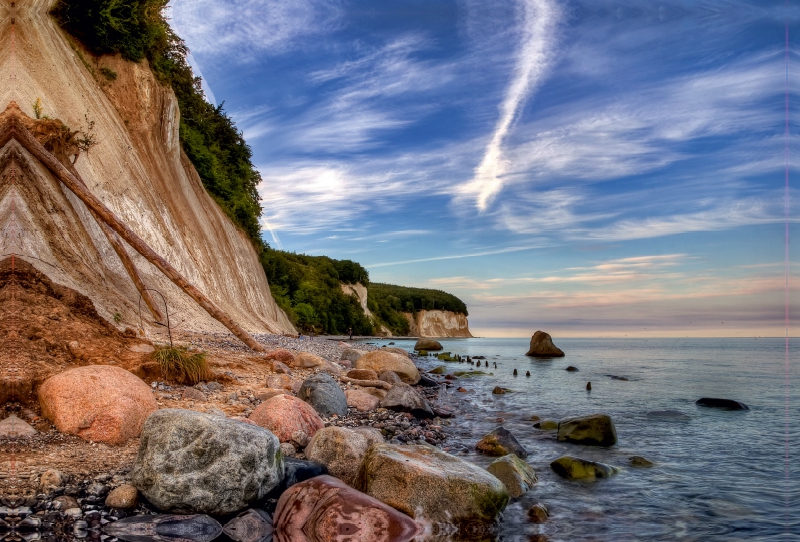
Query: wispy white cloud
pixel 236 29
pixel 457 256
pixel 537 30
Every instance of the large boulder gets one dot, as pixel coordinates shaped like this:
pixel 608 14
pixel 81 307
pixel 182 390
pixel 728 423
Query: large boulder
pixel 285 415
pixel 431 485
pixel 501 442
pixel 323 393
pixel 427 344
pixel 280 354
pixel 381 361
pixel 574 468
pixel 395 350
pixel 323 509
pixel 404 398
pixel 341 450
pixel 101 403
pixel 542 346
pixel 594 430
pixel 516 474
pixel 191 462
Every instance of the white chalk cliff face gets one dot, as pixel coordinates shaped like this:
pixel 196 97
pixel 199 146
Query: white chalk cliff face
pixel 137 169
pixel 438 324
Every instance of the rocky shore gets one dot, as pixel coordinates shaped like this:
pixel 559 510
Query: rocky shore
pixel 314 426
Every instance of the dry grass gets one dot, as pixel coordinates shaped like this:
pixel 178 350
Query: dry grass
pixel 182 366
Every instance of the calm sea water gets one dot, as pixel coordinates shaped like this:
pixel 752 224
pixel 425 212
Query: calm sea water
pixel 719 475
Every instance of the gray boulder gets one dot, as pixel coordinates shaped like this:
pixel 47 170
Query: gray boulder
pixel 351 354
pixel 516 474
pixel 324 394
pixel 594 430
pixel 542 346
pixel 190 462
pixel 404 398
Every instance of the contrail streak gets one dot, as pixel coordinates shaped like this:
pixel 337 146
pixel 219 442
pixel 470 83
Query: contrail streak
pixel 538 26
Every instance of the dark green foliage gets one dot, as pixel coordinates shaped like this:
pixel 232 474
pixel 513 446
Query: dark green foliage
pixel 108 73
pixel 137 30
pixel 388 302
pixel 308 289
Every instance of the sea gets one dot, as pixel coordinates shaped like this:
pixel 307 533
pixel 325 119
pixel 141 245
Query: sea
pixel 718 475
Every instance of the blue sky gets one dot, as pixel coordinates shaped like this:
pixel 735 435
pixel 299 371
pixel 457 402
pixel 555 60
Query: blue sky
pixel 588 168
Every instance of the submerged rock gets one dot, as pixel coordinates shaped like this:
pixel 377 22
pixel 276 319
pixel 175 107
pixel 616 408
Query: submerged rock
pixel 404 398
pixel 252 525
pixel 323 393
pixel 324 509
pixel 284 415
pixel 190 462
pixel 538 513
pixel 639 461
pixel 341 450
pixel 381 361
pixel 165 528
pixel 431 485
pixel 573 468
pixel 594 430
pixel 546 425
pixel 542 347
pixel 728 404
pixel 428 344
pixel 516 474
pixel 501 442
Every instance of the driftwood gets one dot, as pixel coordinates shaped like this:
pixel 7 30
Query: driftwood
pixel 20 133
pixel 127 262
pixel 367 383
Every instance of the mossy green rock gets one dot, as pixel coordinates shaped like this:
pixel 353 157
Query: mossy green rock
pixel 516 474
pixel 468 374
pixel 447 357
pixel 594 430
pixel 440 370
pixel 573 468
pixel 431 485
pixel 422 353
pixel 547 425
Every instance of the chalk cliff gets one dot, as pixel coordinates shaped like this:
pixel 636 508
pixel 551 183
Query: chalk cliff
pixel 438 324
pixel 137 169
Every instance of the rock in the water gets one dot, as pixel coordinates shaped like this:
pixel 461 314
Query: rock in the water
pixel 728 404
pixel 252 525
pixel 428 344
pixel 124 497
pixel 538 513
pixel 594 430
pixel 542 346
pixel 341 450
pixel 14 428
pixel 639 461
pixel 352 355
pixel 516 474
pixel 381 361
pixel 361 400
pixel 427 382
pixel 284 356
pixel 573 468
pixel 546 425
pixel 440 370
pixel 431 485
pixel 324 394
pixel 498 391
pixel 284 415
pixel 165 528
pixel 324 509
pixel 571 369
pixel 362 374
pixel 501 442
pixel 404 398
pixel 101 403
pixel 191 462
